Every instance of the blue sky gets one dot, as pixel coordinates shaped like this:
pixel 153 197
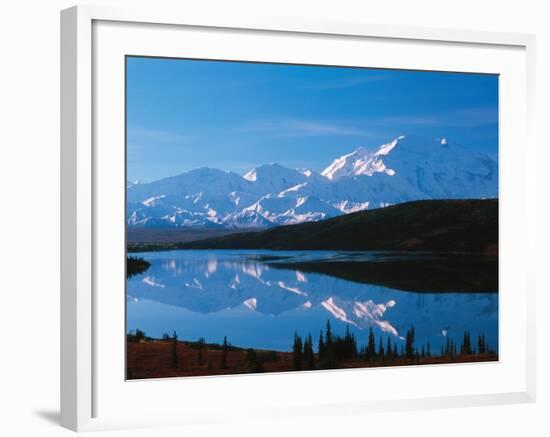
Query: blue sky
pixel 185 114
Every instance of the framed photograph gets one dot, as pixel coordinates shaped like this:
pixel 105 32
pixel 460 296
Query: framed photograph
pixel 286 218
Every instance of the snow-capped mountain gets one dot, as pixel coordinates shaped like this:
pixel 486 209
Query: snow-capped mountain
pixel 404 169
pixel 274 178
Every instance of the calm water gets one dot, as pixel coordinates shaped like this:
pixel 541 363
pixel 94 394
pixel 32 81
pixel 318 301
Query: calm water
pixel 241 295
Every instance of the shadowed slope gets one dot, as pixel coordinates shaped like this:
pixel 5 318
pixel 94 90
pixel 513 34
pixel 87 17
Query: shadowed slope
pixel 427 225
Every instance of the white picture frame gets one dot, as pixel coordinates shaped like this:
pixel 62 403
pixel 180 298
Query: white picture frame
pixel 82 179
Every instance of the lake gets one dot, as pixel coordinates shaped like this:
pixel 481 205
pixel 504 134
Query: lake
pixel 260 298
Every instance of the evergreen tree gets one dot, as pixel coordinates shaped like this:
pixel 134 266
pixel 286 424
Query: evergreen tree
pixel 309 355
pixel 481 347
pixel 140 335
pixel 423 352
pixel 253 363
pixel 201 343
pixel 381 353
pixel 297 352
pixel 350 346
pixel 328 335
pixel 409 343
pixel 371 351
pixel 389 349
pixel 428 350
pixel 174 354
pixel 225 350
pixel 466 347
pixel 305 349
pixel 321 346
pixel 330 359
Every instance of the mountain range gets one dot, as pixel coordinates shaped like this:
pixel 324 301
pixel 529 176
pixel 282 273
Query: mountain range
pixel 405 169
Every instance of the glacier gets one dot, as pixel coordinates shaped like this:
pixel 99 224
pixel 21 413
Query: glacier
pixel 404 169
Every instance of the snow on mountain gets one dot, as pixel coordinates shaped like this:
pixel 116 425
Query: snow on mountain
pixel 419 168
pixel 247 218
pixel 361 162
pixel 273 178
pixel 405 169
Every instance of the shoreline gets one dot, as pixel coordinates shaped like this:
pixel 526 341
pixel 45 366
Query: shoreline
pixel 421 272
pixel 154 358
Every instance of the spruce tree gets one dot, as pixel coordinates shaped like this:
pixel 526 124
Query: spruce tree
pixel 225 349
pixel 253 363
pixel 310 354
pixel 466 348
pixel 297 350
pixel 388 349
pixel 140 335
pixel 481 348
pixel 305 349
pixel 329 361
pixel 371 345
pixel 201 343
pixel 348 344
pixel 381 353
pixel 409 343
pixel 328 335
pixel 174 354
pixel 321 346
pixel 329 346
pixel 353 346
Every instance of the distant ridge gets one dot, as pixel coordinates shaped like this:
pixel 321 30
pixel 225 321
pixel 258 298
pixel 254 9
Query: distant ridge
pixel 447 226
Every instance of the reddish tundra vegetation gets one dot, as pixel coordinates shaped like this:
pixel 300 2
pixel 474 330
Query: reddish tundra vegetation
pixel 170 357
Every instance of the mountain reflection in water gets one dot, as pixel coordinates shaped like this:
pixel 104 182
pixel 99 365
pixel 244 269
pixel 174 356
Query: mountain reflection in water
pixel 260 298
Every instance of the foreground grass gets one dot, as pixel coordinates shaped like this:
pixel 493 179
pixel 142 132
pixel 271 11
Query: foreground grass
pixel 153 358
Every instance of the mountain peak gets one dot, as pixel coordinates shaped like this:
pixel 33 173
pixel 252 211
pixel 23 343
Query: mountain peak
pixel 270 168
pixel 398 155
pixel 361 162
pixel 385 149
pixel 275 176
